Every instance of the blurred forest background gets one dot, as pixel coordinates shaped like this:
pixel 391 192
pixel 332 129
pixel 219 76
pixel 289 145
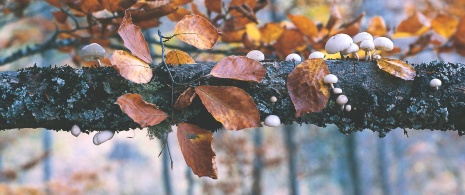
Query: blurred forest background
pixel 287 160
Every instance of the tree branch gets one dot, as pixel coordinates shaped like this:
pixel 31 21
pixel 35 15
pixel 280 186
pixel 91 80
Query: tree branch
pixel 57 98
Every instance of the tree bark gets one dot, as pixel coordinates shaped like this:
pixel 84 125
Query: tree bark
pixel 57 98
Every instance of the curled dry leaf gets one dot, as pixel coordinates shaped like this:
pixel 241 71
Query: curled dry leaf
pixel 397 68
pixel 304 25
pixel 131 67
pixel 306 87
pixel 239 68
pixel 134 39
pixel 196 31
pixel 231 106
pixel 143 113
pixel 185 99
pixel 196 147
pixel 178 57
pixel 377 26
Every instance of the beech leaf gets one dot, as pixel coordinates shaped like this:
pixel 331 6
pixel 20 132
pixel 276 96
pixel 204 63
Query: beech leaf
pixel 143 113
pixel 196 31
pixel 131 67
pixel 377 26
pixel 185 99
pixel 196 147
pixel 306 87
pixel 231 106
pixel 134 39
pixel 397 68
pixel 304 25
pixel 270 33
pixel 239 68
pixel 178 57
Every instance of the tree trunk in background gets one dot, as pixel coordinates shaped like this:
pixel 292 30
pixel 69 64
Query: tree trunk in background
pixel 402 165
pixel 384 165
pixel 353 161
pixel 258 161
pixel 190 181
pixel 166 171
pixel 289 131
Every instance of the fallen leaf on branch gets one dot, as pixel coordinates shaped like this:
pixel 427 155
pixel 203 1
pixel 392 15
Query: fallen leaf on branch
pixel 143 113
pixel 131 67
pixel 397 68
pixel 178 57
pixel 185 99
pixel 196 31
pixel 239 68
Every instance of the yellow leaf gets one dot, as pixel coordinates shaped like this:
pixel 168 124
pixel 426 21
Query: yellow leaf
pixel 397 68
pixel 178 57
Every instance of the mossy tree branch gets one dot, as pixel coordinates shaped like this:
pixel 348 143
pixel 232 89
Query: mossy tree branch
pixel 57 98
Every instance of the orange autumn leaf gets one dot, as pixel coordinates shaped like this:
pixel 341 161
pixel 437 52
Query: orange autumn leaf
pixel 304 25
pixel 415 24
pixel 179 14
pixel 239 68
pixel 253 34
pixel 196 147
pixel 134 39
pixel 143 113
pixel 181 2
pixel 306 87
pixel 460 32
pixel 214 5
pixel 196 11
pixel 397 68
pixel 196 31
pixel 185 99
pixel 270 33
pixel 444 25
pixel 117 5
pixel 178 57
pixel 90 6
pixel 131 67
pixel 231 106
pixel 232 36
pixel 288 42
pixel 60 16
pixel 377 26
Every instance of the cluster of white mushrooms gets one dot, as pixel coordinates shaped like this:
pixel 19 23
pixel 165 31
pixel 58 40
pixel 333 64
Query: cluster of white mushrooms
pixel 341 100
pixel 99 137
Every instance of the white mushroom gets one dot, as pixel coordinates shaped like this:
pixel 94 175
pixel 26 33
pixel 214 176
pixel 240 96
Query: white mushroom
pixel 330 79
pixel 352 49
pixel 256 55
pixel 103 136
pixel 92 52
pixel 273 99
pixel 383 44
pixel 293 57
pixel 272 121
pixel 376 57
pixel 348 107
pixel 337 90
pixel 362 37
pixel 316 54
pixel 338 43
pixel 367 46
pixel 341 101
pixel 75 130
pixel 435 83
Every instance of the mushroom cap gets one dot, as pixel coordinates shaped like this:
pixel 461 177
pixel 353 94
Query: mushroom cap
pixel 348 108
pixel 317 54
pixel 367 45
pixel 293 57
pixel 435 83
pixel 103 136
pixel 272 121
pixel 383 43
pixel 341 100
pixel 92 52
pixel 352 49
pixel 337 90
pixel 273 99
pixel 330 78
pixel 362 36
pixel 75 130
pixel 337 43
pixel 256 55
pixel 376 57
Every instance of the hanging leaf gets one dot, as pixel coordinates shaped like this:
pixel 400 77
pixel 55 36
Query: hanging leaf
pixel 397 68
pixel 178 57
pixel 196 31
pixel 306 87
pixel 270 33
pixel 185 99
pixel 377 26
pixel 231 106
pixel 179 14
pixel 444 25
pixel 131 67
pixel 239 68
pixel 196 147
pixel 304 25
pixel 134 39
pixel 143 113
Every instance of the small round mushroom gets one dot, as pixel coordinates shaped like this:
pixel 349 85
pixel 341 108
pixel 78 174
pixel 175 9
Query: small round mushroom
pixel 330 79
pixel 435 83
pixel 316 54
pixel 75 130
pixel 352 49
pixel 376 57
pixel 367 46
pixel 92 52
pixel 256 55
pixel 348 107
pixel 273 99
pixel 341 101
pixel 272 121
pixel 383 44
pixel 362 37
pixel 337 90
pixel 103 136
pixel 338 43
pixel 293 57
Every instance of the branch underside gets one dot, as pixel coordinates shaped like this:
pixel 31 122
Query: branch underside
pixel 57 98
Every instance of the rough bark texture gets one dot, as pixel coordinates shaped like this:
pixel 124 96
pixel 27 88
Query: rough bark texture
pixel 57 98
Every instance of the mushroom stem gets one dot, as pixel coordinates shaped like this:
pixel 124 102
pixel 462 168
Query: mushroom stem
pixel 342 56
pixel 368 56
pixel 374 52
pixel 342 107
pixel 358 59
pixel 99 63
pixel 332 86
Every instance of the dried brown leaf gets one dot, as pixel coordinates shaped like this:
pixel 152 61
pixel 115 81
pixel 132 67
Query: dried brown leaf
pixel 304 25
pixel 179 14
pixel 270 33
pixel 377 26
pixel 196 31
pixel 131 67
pixel 134 39
pixel 178 57
pixel 185 99
pixel 288 42
pixel 239 68
pixel 444 25
pixel 397 68
pixel 143 113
